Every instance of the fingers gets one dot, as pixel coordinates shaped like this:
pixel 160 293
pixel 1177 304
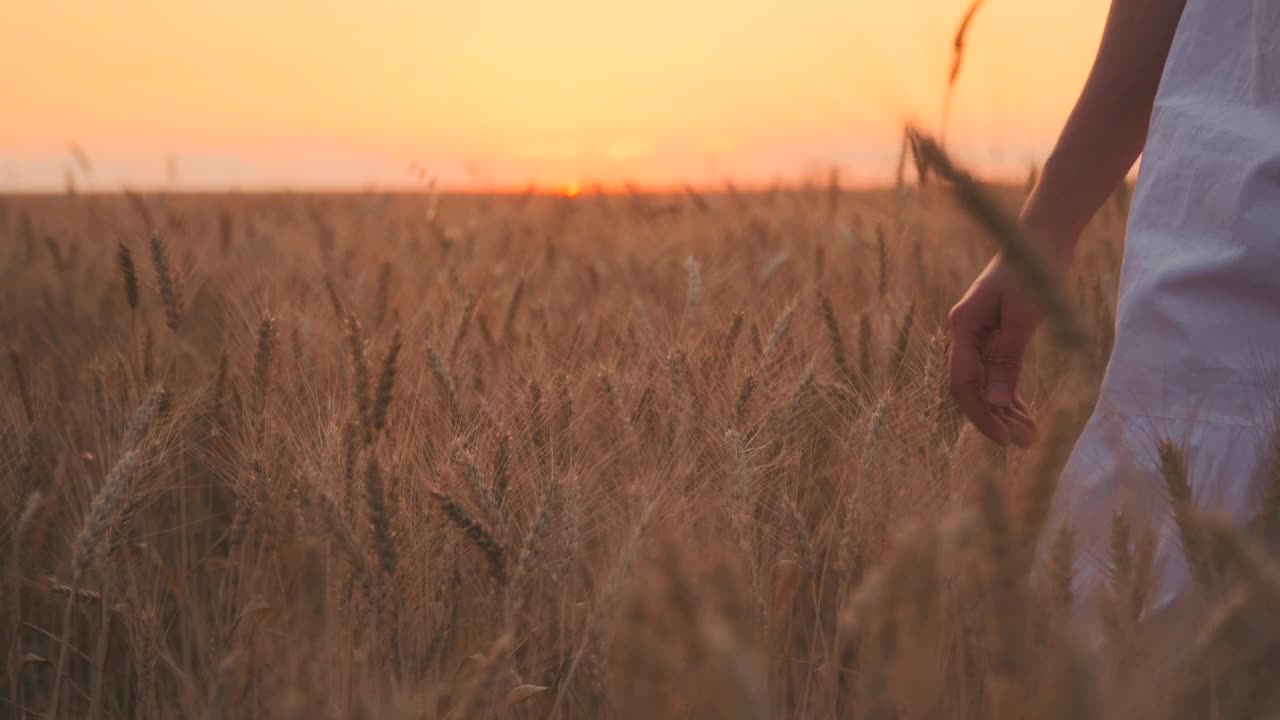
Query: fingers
pixel 967 385
pixel 1021 426
pixel 1022 411
pixel 1004 353
pixel 990 335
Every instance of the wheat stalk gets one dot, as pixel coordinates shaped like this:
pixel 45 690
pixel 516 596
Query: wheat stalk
pixel 360 377
pixel 1253 564
pixel 383 296
pixel 384 545
pixel 386 384
pixel 475 699
pixel 835 339
pixel 129 275
pixel 1006 586
pixel 1013 244
pixel 899 358
pixel 513 307
pixel 170 294
pixel 148 356
pixel 694 291
pixel 502 471
pixel 534 544
pixel 335 301
pixel 1039 497
pixel 778 336
pixel 330 518
pixel 13 593
pixel 743 404
pixel 220 386
pixel 464 324
pixel 445 381
pixel 866 363
pixel 96 522
pixel 537 421
pixel 483 493
pixel 729 341
pixel 24 389
pixel 262 358
pixel 1173 469
pixel 477 533
pixel 957 56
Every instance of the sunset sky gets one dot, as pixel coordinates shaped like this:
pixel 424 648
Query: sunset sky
pixel 502 93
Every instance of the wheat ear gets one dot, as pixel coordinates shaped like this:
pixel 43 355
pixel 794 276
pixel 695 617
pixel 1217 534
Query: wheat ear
pixel 170 294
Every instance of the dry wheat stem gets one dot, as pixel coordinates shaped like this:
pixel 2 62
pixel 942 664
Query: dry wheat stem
pixel 1011 240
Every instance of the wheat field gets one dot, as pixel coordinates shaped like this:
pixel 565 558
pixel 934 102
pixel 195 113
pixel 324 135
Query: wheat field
pixel 620 455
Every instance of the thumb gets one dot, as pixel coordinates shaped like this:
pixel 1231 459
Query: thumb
pixel 1004 360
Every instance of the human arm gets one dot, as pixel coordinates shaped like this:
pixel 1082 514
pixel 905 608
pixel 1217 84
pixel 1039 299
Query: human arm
pixel 994 322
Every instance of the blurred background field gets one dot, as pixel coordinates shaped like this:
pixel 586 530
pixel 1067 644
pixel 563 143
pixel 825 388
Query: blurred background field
pixel 526 456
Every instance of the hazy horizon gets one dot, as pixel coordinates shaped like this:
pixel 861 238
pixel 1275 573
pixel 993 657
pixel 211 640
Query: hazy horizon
pixel 388 95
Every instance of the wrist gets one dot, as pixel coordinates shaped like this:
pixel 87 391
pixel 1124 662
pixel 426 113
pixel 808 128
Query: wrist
pixel 1059 247
pixel 1056 240
pixel 1052 221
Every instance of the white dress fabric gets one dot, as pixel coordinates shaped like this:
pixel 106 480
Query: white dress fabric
pixel 1197 346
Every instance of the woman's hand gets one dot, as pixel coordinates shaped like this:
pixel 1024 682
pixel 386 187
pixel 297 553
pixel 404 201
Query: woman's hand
pixel 991 327
pixel 993 323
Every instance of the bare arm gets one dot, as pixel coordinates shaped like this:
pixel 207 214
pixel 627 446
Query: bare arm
pixel 1107 128
pixel 995 320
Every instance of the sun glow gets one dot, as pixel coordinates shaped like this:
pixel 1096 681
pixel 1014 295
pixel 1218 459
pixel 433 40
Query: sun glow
pixel 499 95
pixel 570 188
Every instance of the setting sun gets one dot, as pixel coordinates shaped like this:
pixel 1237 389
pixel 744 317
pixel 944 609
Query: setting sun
pixel 570 188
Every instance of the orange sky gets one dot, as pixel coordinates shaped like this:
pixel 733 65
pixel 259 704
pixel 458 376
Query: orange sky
pixel 271 93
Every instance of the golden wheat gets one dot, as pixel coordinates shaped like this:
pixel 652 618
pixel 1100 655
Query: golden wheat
pixel 585 458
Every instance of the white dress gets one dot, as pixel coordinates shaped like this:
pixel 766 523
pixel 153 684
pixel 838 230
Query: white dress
pixel 1197 352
